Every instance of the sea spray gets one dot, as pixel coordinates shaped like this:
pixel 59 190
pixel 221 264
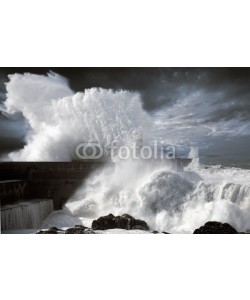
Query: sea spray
pixel 58 119
pixel 176 202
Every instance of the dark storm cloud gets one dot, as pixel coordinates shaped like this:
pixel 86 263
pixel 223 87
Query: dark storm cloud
pixel 11 135
pixel 159 86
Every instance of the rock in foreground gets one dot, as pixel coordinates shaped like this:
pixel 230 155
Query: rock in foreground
pixel 78 229
pixel 51 230
pixel 215 228
pixel 122 222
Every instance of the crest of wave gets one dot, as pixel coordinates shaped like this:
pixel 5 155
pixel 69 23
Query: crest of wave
pixel 59 119
pixel 165 199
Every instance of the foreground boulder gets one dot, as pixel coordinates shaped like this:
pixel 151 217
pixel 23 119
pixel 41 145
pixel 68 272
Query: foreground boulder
pixel 74 231
pixel 122 222
pixel 215 228
pixel 78 229
pixel 51 230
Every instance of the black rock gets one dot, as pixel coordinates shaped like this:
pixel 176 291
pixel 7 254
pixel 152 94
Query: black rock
pixel 164 232
pixel 81 227
pixel 74 230
pixel 141 225
pixel 127 216
pixel 123 222
pixel 78 229
pixel 155 231
pixel 131 221
pixel 106 222
pixel 55 229
pixel 48 231
pixel 89 231
pixel 215 228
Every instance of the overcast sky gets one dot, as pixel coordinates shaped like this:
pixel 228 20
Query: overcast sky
pixel 213 99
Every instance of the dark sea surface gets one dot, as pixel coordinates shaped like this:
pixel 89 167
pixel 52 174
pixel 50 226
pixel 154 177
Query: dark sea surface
pixel 226 163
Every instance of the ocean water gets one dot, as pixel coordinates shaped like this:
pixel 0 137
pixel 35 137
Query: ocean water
pixel 176 202
pixel 208 189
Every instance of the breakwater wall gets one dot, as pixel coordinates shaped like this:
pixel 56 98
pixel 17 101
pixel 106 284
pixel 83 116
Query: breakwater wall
pixel 42 180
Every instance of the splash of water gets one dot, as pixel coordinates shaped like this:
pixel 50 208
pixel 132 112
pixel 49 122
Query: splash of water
pixel 60 119
pixel 165 199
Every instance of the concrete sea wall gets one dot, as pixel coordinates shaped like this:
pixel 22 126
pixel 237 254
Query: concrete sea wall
pixel 42 180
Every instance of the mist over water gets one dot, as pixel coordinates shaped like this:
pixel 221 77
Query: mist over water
pixel 58 119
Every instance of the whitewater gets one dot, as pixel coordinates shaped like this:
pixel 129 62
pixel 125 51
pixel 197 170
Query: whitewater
pixel 57 119
pixel 176 202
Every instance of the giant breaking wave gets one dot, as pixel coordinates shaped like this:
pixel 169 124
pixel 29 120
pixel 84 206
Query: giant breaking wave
pixel 58 119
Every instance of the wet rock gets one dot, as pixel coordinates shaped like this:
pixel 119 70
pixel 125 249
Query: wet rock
pixel 51 230
pixel 78 229
pixel 155 231
pixel 89 231
pixel 131 221
pixel 103 223
pixel 164 232
pixel 127 216
pixel 81 227
pixel 74 230
pixel 46 232
pixel 122 222
pixel 140 225
pixel 55 229
pixel 215 228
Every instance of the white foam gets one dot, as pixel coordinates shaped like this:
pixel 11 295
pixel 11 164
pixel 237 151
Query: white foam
pixel 166 200
pixel 60 119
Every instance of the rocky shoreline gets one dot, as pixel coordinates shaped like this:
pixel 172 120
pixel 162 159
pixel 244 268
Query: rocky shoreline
pixel 127 222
